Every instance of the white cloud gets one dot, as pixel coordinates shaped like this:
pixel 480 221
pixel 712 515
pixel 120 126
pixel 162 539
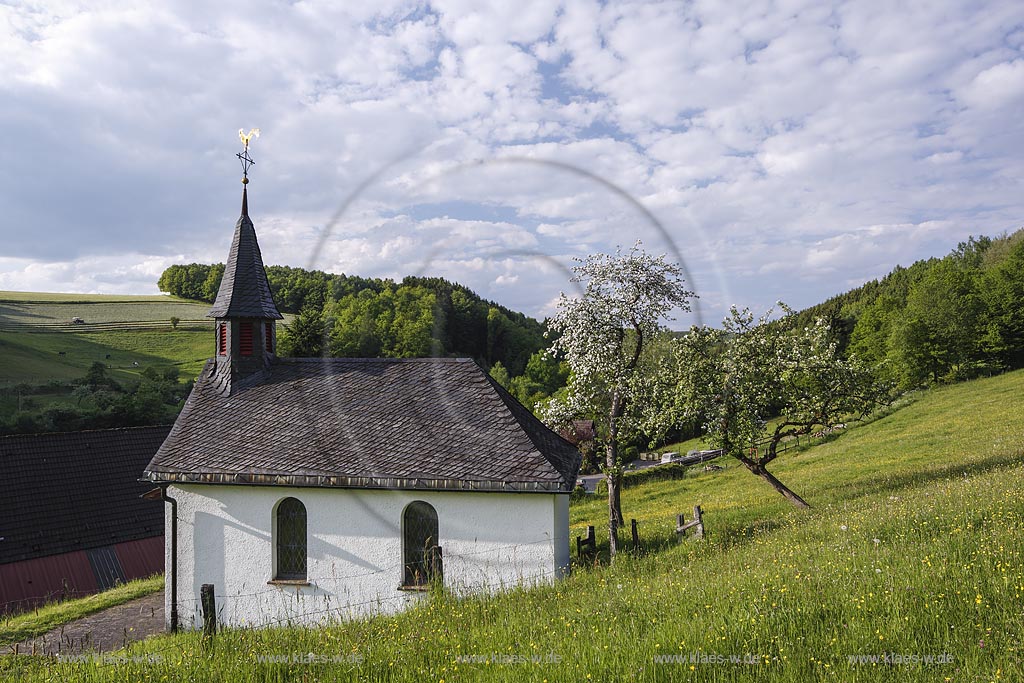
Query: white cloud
pixel 788 150
pixel 997 86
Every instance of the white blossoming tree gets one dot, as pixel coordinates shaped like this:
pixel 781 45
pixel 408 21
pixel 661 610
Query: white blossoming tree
pixel 736 378
pixel 603 335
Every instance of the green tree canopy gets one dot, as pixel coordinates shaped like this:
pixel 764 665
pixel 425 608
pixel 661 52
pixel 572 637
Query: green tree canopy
pixel 737 378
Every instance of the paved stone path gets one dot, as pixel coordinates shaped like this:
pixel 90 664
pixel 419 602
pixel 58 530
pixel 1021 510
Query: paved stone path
pixel 111 629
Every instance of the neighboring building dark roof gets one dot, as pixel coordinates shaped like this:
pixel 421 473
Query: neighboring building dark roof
pixel 75 491
pixel 579 431
pixel 244 291
pixel 427 423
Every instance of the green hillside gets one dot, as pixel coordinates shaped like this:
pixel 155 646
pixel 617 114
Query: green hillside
pixel 39 343
pixel 36 311
pixel 914 548
pixel 34 358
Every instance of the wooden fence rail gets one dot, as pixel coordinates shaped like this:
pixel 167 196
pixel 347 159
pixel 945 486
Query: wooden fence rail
pixel 697 524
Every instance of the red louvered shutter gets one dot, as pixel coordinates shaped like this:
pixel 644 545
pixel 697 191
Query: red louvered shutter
pixel 222 339
pixel 245 339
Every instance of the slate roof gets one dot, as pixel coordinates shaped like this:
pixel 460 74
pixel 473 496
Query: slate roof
pixel 579 431
pixel 431 423
pixel 244 291
pixel 75 491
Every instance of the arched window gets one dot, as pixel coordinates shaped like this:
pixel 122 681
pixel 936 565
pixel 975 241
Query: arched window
pixel 291 540
pixel 421 554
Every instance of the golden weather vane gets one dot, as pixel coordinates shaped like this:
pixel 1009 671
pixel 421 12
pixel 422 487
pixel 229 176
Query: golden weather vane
pixel 243 156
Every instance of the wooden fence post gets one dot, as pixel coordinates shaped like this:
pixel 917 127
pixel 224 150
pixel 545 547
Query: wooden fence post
pixel 697 524
pixel 636 536
pixel 209 602
pixel 587 545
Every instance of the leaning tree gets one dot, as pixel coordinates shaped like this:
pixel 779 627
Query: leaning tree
pixel 738 378
pixel 603 335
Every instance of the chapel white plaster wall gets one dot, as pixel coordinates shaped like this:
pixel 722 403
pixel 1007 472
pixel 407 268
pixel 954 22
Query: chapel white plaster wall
pixel 490 541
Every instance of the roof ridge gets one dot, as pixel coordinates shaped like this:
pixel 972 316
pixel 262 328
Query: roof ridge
pixel 99 430
pixel 506 397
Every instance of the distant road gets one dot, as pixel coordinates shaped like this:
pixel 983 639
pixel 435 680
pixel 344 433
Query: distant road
pixel 590 480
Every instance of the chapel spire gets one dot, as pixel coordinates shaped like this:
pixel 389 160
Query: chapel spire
pixel 244 309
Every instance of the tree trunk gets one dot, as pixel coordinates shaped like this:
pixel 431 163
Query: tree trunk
pixel 614 521
pixel 614 473
pixel 760 471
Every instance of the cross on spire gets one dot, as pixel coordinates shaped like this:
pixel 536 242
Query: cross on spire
pixel 243 156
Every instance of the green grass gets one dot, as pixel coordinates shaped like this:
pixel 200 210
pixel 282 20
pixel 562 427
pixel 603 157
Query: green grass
pixel 914 546
pixel 36 313
pixel 682 447
pixel 35 358
pixel 23 310
pixel 19 627
pixel 35 327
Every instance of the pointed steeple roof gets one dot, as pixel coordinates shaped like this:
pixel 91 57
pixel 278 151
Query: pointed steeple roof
pixel 244 290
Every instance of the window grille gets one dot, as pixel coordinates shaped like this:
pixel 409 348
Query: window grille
pixel 420 549
pixel 291 540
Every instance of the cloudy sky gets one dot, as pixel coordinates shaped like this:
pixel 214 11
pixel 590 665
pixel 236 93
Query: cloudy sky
pixel 783 150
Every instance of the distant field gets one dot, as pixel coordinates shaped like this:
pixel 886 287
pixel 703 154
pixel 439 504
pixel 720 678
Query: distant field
pixel 101 312
pixel 39 343
pixel 35 312
pixel 35 357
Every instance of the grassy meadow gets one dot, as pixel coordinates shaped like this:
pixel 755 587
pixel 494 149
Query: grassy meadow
pixel 36 311
pixel 42 313
pixel 40 344
pixel 914 549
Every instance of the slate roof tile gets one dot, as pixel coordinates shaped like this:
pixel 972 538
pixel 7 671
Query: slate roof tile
pixel 244 290
pixel 72 491
pixel 364 421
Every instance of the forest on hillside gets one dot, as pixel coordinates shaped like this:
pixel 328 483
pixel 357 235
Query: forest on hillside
pixel 352 316
pixel 937 320
pixel 940 319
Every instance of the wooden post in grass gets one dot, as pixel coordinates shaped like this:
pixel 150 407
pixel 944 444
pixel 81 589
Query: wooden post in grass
pixel 636 536
pixel 209 602
pixel 697 524
pixel 587 545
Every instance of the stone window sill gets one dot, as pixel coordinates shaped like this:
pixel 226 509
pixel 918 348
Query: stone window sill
pixel 288 582
pixel 414 589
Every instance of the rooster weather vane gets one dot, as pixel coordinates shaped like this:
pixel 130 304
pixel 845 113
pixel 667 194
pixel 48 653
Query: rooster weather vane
pixel 243 156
